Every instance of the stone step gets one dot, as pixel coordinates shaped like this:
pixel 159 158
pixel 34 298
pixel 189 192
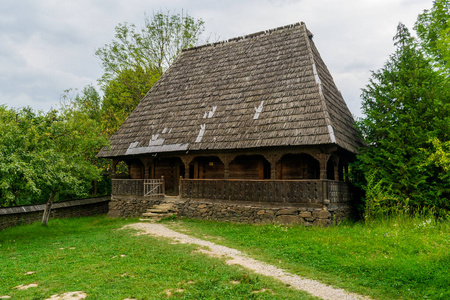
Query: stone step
pixel 158 210
pixel 157 215
pixel 166 206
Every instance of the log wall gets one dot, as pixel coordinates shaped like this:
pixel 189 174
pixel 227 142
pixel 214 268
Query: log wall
pixel 208 168
pixel 249 167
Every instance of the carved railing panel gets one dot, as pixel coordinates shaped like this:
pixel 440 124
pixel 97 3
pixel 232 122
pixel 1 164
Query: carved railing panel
pixel 338 192
pixel 127 187
pixel 290 191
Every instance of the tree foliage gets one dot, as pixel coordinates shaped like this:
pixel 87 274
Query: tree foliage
pixel 46 155
pixel 155 46
pixel 433 29
pixel 17 136
pixel 122 94
pixel 406 128
pixel 43 155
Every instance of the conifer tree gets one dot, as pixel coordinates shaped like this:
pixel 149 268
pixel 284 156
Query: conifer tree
pixel 407 107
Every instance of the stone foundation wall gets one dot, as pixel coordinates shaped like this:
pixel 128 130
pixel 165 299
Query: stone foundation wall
pixel 12 216
pixel 257 213
pixel 130 206
pixel 307 214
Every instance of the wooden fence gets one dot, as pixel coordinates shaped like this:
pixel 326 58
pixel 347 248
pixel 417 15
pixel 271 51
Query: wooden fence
pixel 12 216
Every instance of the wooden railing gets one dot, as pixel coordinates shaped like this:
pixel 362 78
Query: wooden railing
pixel 338 191
pixel 291 191
pixel 127 187
pixel 138 187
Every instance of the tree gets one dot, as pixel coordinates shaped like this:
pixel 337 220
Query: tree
pixel 44 155
pixel 153 47
pixel 87 103
pixel 122 94
pixel 17 137
pixel 135 60
pixel 407 109
pixel 433 30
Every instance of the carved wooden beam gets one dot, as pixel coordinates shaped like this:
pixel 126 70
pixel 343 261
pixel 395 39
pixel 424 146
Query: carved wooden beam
pixel 273 159
pixel 323 160
pixel 186 159
pixel 226 159
pixel 147 162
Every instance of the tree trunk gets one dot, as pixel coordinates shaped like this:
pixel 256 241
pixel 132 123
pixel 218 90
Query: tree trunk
pixel 48 208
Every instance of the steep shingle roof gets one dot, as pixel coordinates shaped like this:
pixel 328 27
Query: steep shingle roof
pixel 266 89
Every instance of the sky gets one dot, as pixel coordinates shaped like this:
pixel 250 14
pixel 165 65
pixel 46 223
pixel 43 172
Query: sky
pixel 47 46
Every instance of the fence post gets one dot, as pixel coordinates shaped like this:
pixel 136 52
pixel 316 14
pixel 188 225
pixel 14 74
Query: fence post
pixel 163 186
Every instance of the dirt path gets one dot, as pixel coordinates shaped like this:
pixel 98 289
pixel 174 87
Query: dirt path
pixel 234 256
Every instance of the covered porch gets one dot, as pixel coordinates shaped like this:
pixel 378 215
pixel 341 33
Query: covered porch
pixel 303 176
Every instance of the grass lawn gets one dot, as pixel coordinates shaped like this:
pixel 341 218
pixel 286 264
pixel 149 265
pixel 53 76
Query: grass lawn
pixel 93 256
pixel 393 259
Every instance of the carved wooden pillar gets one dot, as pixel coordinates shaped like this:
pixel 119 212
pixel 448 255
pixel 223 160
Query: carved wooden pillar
pixel 113 167
pixel 336 168
pixel 273 159
pixel 186 161
pixel 226 160
pixel 147 161
pixel 323 160
pixel 335 160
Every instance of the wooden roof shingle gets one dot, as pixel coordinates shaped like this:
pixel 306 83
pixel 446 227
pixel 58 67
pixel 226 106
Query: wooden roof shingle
pixel 266 89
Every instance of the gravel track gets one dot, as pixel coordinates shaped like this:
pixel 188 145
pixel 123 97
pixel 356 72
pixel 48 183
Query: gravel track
pixel 236 257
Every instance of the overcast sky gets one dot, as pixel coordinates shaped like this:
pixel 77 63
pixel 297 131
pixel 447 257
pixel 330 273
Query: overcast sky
pixel 47 46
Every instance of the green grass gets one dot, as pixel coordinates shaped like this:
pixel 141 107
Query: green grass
pixel 403 258
pixel 85 254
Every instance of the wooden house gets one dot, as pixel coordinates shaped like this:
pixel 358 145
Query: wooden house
pixel 255 118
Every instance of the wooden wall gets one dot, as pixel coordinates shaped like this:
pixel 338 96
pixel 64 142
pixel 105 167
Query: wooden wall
pixel 209 167
pixel 249 167
pixel 298 166
pixel 136 169
pixel 170 168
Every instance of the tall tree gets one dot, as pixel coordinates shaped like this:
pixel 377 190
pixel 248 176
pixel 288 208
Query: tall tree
pixel 407 107
pixel 83 120
pixel 122 94
pixel 136 59
pixel 153 47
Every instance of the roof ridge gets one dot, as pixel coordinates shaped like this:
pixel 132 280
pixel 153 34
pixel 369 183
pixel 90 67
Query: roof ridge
pixel 319 87
pixel 244 37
